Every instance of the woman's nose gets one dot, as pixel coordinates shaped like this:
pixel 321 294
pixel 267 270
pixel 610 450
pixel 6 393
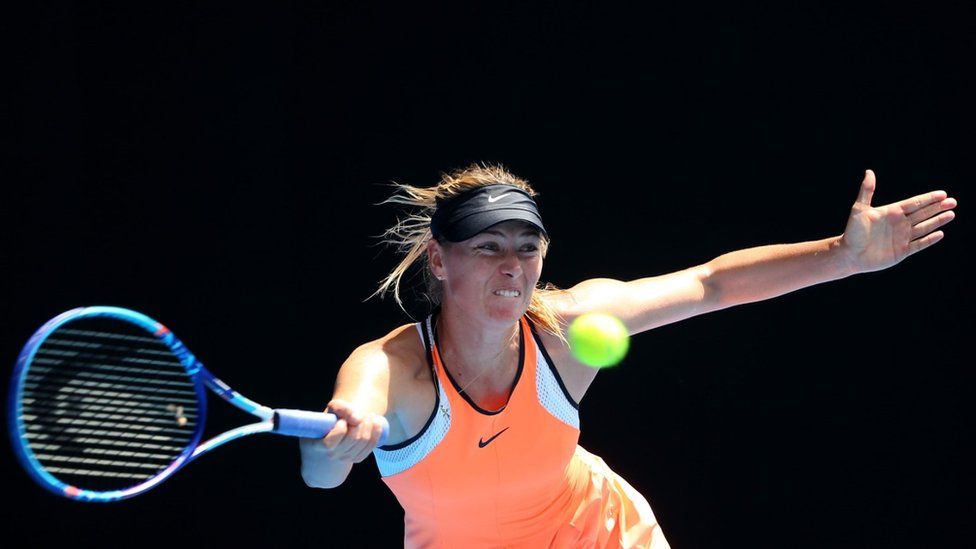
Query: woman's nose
pixel 511 266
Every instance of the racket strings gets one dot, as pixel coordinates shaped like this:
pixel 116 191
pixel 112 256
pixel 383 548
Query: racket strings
pixel 106 406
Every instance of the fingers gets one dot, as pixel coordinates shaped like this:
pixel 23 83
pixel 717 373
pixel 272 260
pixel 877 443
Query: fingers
pixel 356 443
pixel 365 439
pixel 344 410
pixel 920 244
pixel 354 435
pixel 336 435
pixel 927 212
pixel 928 207
pixel 866 193
pixel 921 202
pixel 929 225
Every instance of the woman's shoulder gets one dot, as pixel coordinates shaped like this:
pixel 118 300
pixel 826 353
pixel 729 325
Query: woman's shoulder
pixel 401 355
pixel 401 351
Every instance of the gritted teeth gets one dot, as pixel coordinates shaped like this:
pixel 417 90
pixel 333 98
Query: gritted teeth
pixel 507 293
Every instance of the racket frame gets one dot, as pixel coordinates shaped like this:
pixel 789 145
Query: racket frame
pixel 202 380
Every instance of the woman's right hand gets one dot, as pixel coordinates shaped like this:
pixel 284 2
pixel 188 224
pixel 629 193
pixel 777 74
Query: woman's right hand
pixel 355 434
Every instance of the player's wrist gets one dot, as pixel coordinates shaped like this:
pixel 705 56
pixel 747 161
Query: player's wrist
pixel 844 258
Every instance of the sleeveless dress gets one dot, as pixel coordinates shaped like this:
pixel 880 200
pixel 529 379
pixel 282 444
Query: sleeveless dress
pixel 514 477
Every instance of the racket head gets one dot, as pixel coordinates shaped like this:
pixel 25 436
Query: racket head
pixel 105 403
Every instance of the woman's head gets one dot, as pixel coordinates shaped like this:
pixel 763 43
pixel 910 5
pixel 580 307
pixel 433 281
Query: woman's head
pixel 463 205
pixel 492 274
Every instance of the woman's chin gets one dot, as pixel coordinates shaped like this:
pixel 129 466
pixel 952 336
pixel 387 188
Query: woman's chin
pixel 507 312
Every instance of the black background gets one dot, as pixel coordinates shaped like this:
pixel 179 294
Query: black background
pixel 217 166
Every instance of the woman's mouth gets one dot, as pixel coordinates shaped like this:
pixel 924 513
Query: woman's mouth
pixel 507 293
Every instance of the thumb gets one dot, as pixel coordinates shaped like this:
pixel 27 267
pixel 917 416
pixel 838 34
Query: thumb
pixel 344 410
pixel 866 193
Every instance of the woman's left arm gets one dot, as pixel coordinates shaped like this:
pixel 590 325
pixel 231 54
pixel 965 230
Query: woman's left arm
pixel 875 238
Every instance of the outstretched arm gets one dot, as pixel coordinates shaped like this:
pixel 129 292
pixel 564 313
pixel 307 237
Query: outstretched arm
pixel 874 238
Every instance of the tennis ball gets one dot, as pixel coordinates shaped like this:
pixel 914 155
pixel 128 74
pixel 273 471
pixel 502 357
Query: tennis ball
pixel 599 340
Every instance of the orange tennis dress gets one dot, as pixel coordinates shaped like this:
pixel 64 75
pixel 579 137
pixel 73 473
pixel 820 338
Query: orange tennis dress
pixel 514 477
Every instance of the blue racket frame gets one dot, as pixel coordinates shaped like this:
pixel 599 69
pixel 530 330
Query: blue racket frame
pixel 296 423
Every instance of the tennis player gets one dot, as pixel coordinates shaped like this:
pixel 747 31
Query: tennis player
pixel 482 395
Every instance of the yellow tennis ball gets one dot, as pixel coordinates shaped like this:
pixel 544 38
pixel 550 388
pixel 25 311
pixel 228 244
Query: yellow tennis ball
pixel 599 340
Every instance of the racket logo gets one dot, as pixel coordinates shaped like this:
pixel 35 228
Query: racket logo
pixel 181 352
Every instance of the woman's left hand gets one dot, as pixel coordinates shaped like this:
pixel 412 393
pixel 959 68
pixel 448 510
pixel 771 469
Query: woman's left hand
pixel 878 237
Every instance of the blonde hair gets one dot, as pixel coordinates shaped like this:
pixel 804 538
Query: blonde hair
pixel 411 234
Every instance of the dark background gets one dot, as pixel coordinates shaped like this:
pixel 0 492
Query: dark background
pixel 217 166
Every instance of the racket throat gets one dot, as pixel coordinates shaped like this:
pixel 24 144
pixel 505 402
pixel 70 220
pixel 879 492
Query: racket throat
pixel 225 392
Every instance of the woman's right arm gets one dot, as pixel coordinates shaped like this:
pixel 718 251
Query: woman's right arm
pixel 361 394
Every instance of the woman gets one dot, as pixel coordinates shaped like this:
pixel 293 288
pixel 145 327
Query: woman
pixel 481 397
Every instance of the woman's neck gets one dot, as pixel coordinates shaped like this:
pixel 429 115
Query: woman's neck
pixel 472 348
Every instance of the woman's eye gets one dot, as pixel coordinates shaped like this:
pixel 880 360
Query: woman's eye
pixel 490 246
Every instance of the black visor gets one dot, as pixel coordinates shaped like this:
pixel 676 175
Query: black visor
pixel 467 214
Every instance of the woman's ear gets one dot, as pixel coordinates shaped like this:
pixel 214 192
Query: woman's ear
pixel 435 258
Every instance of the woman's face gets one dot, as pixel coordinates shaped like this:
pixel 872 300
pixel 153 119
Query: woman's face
pixel 493 273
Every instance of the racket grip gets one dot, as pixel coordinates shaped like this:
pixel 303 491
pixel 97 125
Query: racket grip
pixel 305 424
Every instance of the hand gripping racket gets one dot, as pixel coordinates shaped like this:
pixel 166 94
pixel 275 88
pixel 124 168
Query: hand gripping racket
pixel 106 403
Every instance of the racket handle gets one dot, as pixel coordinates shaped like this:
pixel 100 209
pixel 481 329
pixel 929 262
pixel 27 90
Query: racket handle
pixel 305 424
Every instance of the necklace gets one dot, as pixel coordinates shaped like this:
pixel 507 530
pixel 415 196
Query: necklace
pixel 472 380
pixel 468 384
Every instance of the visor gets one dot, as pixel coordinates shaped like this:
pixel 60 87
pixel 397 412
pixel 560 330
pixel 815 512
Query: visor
pixel 467 214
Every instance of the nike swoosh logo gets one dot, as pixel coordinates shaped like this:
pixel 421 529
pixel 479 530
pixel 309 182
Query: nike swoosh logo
pixel 483 443
pixel 497 198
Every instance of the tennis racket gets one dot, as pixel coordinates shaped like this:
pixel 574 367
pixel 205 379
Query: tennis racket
pixel 106 403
